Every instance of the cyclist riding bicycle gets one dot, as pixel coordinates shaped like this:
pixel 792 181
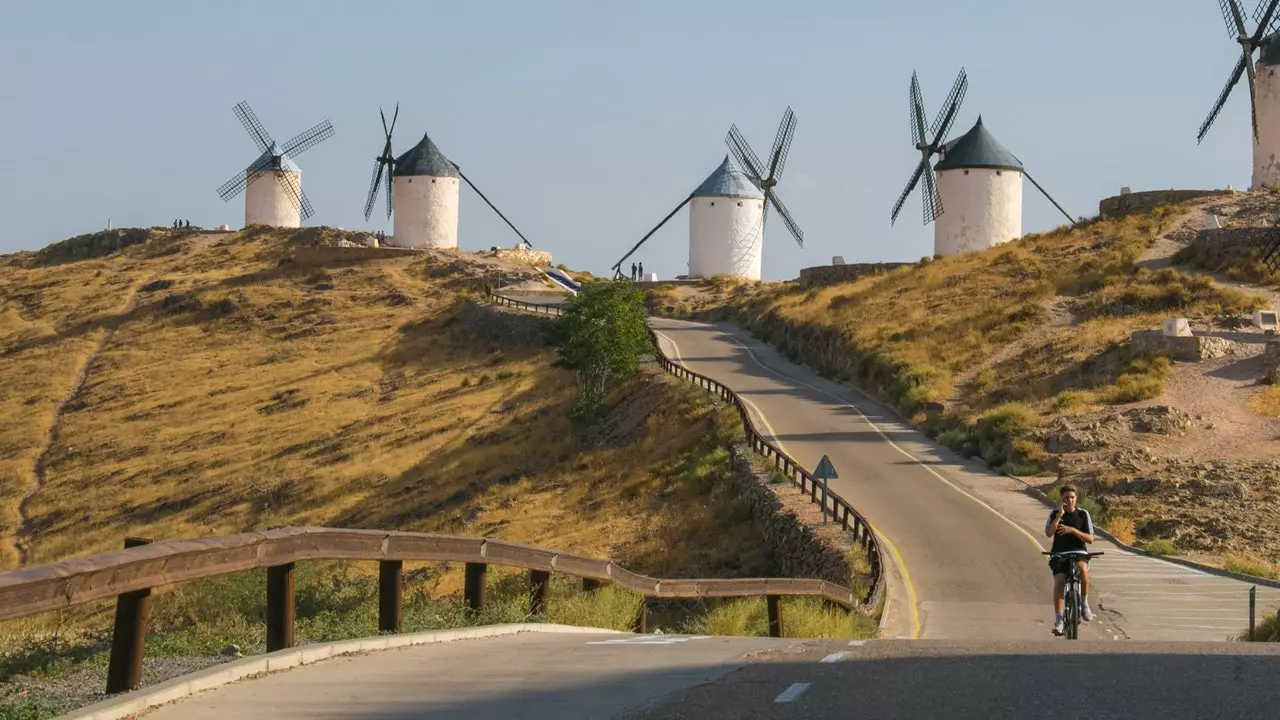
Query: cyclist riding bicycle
pixel 1071 529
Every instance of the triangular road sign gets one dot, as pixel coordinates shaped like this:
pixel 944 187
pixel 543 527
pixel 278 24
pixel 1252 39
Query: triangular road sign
pixel 825 470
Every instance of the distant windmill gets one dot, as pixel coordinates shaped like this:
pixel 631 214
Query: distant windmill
pixel 279 201
pixel 978 182
pixel 422 193
pixel 1264 91
pixel 728 211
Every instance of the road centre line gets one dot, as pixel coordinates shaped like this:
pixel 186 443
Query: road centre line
pixel 791 693
pixel 835 657
pixel 912 600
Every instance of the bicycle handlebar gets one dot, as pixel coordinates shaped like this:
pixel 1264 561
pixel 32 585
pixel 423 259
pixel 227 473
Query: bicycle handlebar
pixel 1070 553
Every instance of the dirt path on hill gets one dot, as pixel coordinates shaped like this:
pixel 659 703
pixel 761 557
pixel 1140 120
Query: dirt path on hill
pixel 19 539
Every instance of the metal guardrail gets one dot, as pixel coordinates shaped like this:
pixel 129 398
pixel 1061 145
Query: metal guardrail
pixel 130 574
pixel 840 509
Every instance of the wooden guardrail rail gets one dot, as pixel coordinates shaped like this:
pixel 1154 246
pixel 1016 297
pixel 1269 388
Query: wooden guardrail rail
pixel 520 304
pixel 840 509
pixel 130 574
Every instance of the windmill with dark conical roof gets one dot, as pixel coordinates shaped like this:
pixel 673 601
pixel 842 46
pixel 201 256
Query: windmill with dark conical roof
pixel 422 193
pixel 728 210
pixel 976 195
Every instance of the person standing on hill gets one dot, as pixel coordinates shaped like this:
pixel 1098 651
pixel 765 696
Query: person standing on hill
pixel 642 272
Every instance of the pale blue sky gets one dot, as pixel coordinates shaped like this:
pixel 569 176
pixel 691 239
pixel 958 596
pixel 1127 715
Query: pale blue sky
pixel 586 122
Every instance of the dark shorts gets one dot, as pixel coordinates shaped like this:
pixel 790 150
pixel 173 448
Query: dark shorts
pixel 1059 564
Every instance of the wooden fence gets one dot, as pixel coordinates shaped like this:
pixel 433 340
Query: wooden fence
pixel 839 508
pixel 129 575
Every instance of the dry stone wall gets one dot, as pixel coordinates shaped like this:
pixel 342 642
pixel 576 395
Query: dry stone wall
pixel 1140 202
pixel 1232 238
pixel 1187 349
pixel 832 274
pixel 503 326
pixel 797 550
pixel 1271 362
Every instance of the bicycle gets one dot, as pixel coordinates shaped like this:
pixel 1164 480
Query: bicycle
pixel 1073 597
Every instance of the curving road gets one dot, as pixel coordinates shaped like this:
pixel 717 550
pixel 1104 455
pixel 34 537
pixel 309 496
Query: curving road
pixel 966 542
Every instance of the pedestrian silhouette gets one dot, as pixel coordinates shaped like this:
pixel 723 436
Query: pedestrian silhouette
pixel 642 272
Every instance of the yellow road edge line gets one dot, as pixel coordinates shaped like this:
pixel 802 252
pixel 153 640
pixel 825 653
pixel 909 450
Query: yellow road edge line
pixel 1034 541
pixel 912 602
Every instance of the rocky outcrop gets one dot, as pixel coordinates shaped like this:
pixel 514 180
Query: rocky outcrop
pixel 338 254
pixel 1066 435
pixel 93 245
pixel 1271 362
pixel 503 326
pixel 798 549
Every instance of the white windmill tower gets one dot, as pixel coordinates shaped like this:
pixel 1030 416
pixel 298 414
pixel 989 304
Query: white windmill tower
pixel 422 193
pixel 729 210
pixel 1264 86
pixel 274 193
pixel 978 181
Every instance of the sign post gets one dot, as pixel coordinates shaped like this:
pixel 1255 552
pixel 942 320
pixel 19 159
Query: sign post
pixel 824 472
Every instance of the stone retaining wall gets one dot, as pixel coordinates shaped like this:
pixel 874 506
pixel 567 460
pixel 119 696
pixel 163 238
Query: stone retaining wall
pixel 504 326
pixel 1271 362
pixel 1140 202
pixel 1186 349
pixel 832 274
pixel 797 550
pixel 1232 238
pixel 534 258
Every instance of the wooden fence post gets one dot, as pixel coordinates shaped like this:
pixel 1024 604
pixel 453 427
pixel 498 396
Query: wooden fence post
pixel 539 580
pixel 775 615
pixel 642 618
pixel 133 609
pixel 390 596
pixel 474 586
pixel 280 607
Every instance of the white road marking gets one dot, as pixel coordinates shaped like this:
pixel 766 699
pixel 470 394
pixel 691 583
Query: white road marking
pixel 835 657
pixel 791 693
pixel 650 640
pixel 857 643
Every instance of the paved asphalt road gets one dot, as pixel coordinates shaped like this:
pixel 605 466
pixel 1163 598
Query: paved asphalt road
pixel 968 539
pixel 537 675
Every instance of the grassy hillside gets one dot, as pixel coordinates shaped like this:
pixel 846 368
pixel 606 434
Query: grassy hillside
pixel 982 345
pixel 227 388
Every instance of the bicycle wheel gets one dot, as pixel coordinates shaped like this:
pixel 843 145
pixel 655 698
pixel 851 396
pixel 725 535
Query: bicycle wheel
pixel 1071 611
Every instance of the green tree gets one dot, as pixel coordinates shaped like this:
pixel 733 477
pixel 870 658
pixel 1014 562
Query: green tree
pixel 601 336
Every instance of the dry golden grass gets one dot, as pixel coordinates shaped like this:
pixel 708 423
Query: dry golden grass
pixel 913 331
pixel 1267 401
pixel 252 393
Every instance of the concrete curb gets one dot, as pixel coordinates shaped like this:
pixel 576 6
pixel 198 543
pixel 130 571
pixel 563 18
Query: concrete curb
pixel 137 701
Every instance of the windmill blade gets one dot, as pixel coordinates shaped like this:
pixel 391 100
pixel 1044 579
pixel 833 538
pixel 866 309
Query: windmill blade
pixel 1265 15
pixel 1222 97
pixel 787 220
pixel 308 139
pixel 1047 195
pixel 897 207
pixel 289 181
pixel 917 112
pixel 931 201
pixel 1269 248
pixel 1233 17
pixel 782 143
pixel 374 184
pixel 307 210
pixel 942 124
pixel 388 191
pixel 743 153
pixel 636 247
pixel 1253 98
pixel 240 180
pixel 253 126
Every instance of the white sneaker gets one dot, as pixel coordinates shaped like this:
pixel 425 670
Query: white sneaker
pixel 1058 624
pixel 1087 615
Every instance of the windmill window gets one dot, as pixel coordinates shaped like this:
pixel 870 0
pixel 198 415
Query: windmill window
pixel 713 203
pixel 999 172
pixel 966 172
pixel 739 203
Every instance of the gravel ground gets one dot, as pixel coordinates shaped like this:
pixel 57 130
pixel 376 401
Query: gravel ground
pixel 87 684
